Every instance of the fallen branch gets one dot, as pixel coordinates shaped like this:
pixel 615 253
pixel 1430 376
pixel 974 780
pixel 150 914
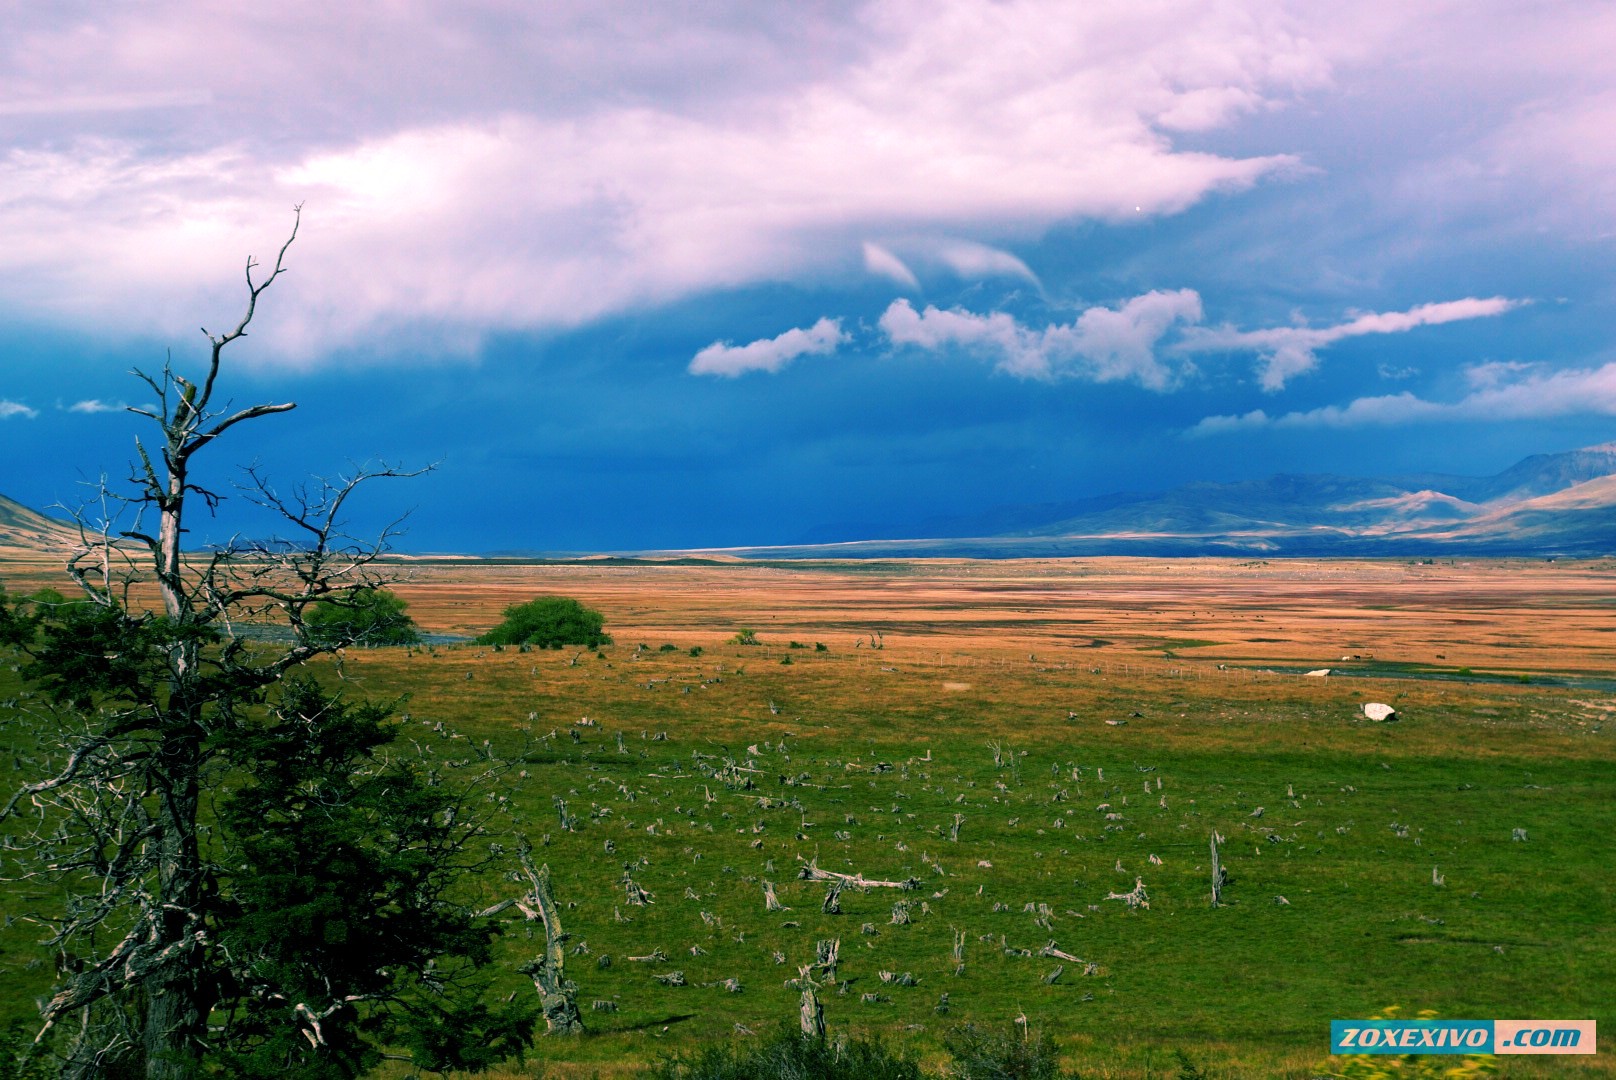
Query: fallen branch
pixel 811 872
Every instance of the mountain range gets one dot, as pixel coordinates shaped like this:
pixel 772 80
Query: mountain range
pixel 1546 505
pixel 30 530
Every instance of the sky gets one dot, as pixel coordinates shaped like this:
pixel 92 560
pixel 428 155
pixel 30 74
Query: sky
pixel 632 276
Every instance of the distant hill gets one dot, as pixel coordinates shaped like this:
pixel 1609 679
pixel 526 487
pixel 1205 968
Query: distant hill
pixel 1547 504
pixel 21 527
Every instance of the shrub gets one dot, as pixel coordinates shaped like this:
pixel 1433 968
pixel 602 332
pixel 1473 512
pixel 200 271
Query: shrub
pixel 745 637
pixel 1002 1054
pixel 363 617
pixel 549 622
pixel 791 1055
pixel 696 650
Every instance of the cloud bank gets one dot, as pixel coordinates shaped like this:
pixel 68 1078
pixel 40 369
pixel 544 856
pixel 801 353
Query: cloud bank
pixel 545 166
pixel 1529 395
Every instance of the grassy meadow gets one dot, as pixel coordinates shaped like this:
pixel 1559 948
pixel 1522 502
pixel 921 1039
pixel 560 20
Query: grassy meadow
pixel 1044 750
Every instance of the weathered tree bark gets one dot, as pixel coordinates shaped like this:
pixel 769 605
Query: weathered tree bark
pixel 558 996
pixel 811 1014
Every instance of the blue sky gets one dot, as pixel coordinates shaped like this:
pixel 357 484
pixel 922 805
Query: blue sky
pixel 742 273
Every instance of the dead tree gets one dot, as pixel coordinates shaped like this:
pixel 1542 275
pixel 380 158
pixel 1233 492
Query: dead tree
pixel 811 1014
pixel 811 872
pixel 558 996
pixel 828 956
pixel 139 710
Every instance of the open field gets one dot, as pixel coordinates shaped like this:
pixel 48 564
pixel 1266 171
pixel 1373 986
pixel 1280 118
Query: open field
pixel 1027 740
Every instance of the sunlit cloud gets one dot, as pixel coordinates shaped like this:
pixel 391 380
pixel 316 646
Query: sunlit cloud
pixel 1288 351
pixel 972 260
pixel 881 262
pixel 449 207
pixel 1537 395
pixel 9 409
pixel 1101 345
pixel 769 354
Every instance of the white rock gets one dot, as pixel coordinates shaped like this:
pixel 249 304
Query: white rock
pixel 1319 674
pixel 1376 711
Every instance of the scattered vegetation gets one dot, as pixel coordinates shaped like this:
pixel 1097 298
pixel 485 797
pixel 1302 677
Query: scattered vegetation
pixel 950 833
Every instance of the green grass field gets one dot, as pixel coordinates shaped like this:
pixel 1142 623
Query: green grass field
pixel 735 769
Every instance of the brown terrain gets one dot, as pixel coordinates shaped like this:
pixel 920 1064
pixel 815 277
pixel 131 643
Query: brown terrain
pixel 1498 616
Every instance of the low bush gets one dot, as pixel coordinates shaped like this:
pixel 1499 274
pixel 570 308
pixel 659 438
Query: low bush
pixel 1003 1054
pixel 549 622
pixel 791 1055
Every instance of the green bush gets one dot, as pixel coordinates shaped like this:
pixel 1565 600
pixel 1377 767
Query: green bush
pixel 549 622
pixel 745 637
pixel 791 1055
pixel 363 617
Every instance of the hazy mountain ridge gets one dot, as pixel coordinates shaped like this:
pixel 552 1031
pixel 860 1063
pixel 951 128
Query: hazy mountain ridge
pixel 1546 504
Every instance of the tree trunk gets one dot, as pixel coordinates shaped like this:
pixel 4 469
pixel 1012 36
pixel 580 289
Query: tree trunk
pixel 176 1007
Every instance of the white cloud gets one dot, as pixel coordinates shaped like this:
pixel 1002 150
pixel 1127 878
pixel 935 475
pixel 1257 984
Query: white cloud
pixel 878 260
pixel 1288 351
pixel 8 409
pixel 972 260
pixel 1102 344
pixel 95 405
pixel 769 354
pixel 450 184
pixel 1536 395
